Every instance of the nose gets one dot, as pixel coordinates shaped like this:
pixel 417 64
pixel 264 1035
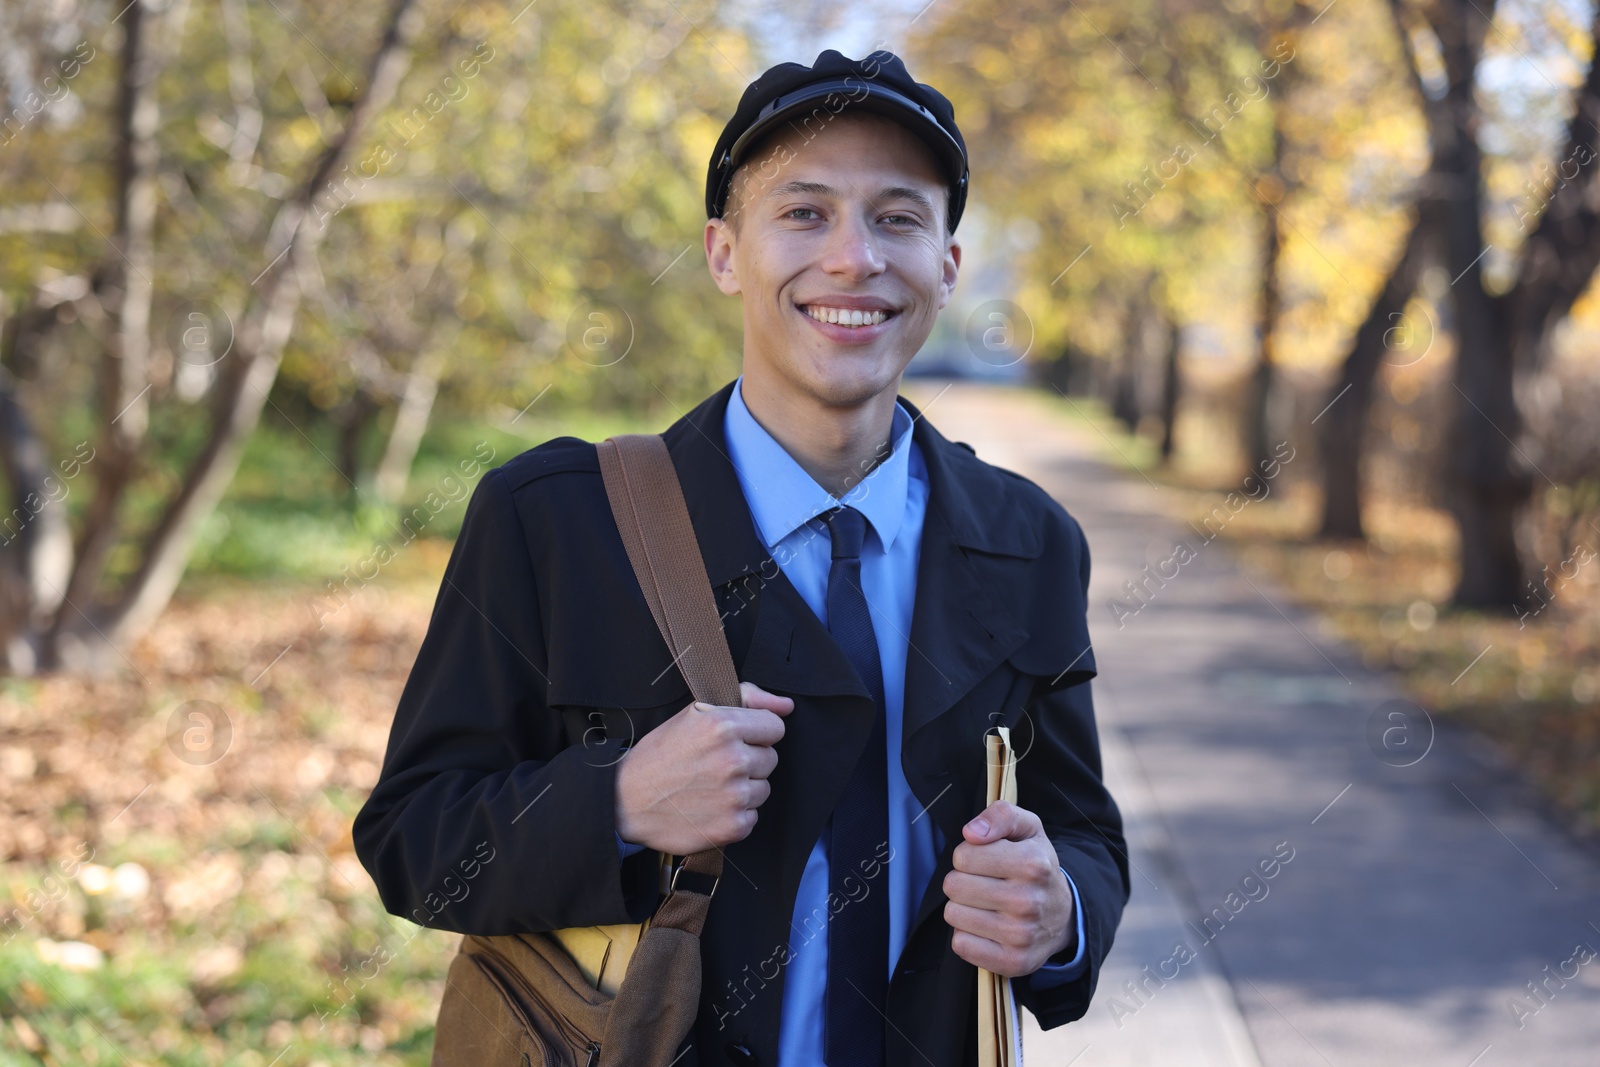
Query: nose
pixel 853 249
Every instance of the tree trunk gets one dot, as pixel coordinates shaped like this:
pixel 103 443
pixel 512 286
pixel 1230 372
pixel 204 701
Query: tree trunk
pixel 256 355
pixel 1484 487
pixel 35 540
pixel 35 535
pixel 128 285
pixel 1171 386
pixel 1127 399
pixel 352 420
pixel 1507 334
pixel 410 422
pixel 1258 403
pixel 1271 189
pixel 1349 400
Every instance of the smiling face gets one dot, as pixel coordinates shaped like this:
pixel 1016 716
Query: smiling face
pixel 846 227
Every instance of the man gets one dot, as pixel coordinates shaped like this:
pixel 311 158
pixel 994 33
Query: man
pixel 887 598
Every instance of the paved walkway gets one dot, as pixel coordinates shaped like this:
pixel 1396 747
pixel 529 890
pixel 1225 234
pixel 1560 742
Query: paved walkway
pixel 1416 915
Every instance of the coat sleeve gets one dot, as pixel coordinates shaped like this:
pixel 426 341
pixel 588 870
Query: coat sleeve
pixel 484 820
pixel 1060 780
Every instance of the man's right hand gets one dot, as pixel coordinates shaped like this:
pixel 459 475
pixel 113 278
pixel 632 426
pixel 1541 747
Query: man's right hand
pixel 695 781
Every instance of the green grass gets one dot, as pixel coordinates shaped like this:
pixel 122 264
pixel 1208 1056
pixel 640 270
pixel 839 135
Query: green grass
pixel 290 515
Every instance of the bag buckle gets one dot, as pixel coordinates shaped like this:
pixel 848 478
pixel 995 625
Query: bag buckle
pixel 680 869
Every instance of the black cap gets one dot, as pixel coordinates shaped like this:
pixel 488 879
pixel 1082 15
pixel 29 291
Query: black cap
pixel 798 94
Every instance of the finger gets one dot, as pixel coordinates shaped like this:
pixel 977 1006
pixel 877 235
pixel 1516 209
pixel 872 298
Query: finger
pixel 1005 931
pixel 754 696
pixel 761 727
pixel 1018 860
pixel 753 726
pixel 763 761
pixel 981 952
pixel 976 890
pixel 1002 820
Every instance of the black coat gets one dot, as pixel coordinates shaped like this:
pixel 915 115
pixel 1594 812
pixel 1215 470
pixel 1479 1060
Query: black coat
pixel 495 809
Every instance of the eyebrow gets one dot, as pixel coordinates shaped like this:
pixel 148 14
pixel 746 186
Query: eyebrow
pixel 888 192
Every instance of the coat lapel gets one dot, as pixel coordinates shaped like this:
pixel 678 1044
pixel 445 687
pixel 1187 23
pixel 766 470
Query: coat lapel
pixel 960 629
pixel 790 650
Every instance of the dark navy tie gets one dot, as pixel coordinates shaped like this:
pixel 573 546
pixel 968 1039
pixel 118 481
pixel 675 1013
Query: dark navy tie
pixel 858 936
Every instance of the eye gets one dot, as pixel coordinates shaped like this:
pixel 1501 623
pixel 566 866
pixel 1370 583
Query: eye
pixel 908 220
pixel 793 210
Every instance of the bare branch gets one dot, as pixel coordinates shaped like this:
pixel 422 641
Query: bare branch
pixel 247 120
pixel 39 218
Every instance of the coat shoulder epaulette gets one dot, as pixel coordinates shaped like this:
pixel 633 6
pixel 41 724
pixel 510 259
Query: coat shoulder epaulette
pixel 556 456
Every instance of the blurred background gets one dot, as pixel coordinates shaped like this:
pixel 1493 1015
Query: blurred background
pixel 280 281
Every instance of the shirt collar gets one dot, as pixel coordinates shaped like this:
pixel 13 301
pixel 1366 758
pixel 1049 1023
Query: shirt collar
pixel 782 496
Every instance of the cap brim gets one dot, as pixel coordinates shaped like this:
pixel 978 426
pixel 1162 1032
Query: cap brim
pixel 834 96
pixel 861 94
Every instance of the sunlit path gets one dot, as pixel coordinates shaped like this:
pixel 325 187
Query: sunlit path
pixel 1415 915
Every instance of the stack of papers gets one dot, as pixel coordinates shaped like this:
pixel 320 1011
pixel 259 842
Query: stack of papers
pixel 999 1015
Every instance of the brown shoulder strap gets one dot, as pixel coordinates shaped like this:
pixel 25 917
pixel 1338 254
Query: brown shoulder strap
pixel 647 501
pixel 654 522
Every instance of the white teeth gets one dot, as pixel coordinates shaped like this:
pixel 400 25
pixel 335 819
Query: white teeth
pixel 845 316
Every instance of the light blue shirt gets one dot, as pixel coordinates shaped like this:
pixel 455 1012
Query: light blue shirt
pixel 785 502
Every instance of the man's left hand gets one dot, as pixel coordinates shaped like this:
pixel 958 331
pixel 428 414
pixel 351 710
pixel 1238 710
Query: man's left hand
pixel 1009 906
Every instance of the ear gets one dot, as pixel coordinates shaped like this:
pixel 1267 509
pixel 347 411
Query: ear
pixel 721 257
pixel 952 265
